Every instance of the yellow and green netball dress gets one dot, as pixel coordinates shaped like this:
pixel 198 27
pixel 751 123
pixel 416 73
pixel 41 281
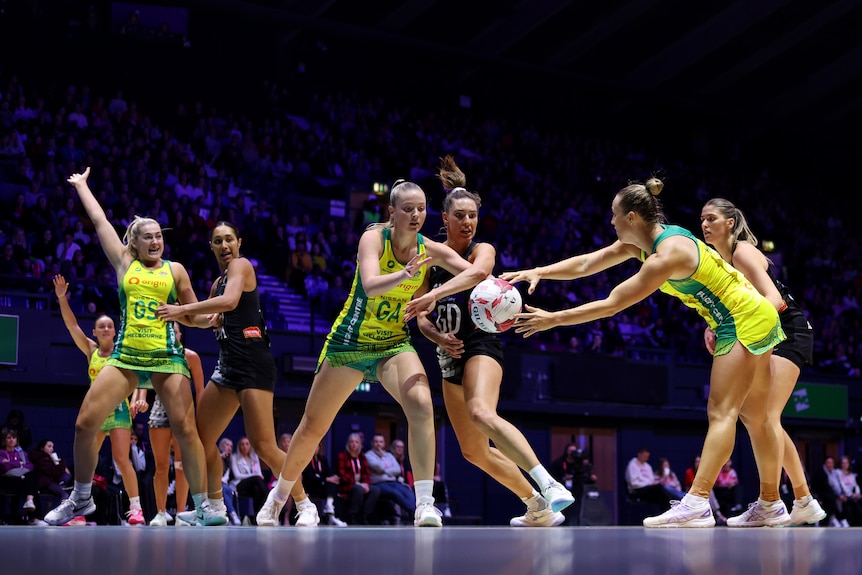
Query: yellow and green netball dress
pixel 732 307
pixel 121 418
pixel 145 343
pixel 369 329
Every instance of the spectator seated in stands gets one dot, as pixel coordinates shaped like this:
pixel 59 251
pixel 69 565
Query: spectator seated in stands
pixel 354 484
pixel 17 475
pixel 643 485
pixel 727 490
pixel 54 475
pixel 386 476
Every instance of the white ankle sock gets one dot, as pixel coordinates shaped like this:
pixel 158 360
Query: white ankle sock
pixel 541 476
pixel 199 499
pixel 82 491
pixel 424 488
pixel 282 489
pixel 694 501
pixel 536 502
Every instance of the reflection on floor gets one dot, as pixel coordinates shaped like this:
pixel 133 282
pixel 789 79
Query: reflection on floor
pixel 447 551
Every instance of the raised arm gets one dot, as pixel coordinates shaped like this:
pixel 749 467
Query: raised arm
pixel 111 243
pixel 576 266
pixel 84 343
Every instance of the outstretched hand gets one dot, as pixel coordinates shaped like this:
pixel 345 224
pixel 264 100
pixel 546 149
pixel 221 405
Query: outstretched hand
pixel 534 320
pixel 61 286
pixel 531 276
pixel 76 179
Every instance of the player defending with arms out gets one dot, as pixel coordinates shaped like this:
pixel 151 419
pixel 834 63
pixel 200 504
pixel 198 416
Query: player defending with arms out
pixel 746 325
pixel 147 354
pixel 245 374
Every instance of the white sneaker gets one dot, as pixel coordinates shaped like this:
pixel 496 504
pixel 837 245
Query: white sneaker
pixel 69 508
pixel 219 508
pixel 160 520
pixel 234 518
pixel 427 515
pixel 546 517
pixel 845 523
pixel 29 505
pixel 833 522
pixel 203 516
pixel 331 519
pixel 681 515
pixel 806 510
pixel 760 514
pixel 306 514
pixel 557 496
pixel 36 521
pixel 268 514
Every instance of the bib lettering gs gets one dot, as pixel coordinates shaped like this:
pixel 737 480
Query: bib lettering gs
pixel 140 293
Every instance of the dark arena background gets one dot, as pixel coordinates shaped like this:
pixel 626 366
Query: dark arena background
pixel 295 116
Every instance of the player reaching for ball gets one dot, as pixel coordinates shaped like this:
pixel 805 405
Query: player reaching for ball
pixel 745 323
pixel 370 341
pixel 471 361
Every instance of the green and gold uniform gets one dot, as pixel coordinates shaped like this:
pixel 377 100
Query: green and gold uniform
pixel 121 418
pixel 147 344
pixel 729 303
pixel 369 329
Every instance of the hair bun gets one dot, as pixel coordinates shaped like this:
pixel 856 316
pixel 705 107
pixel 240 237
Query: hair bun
pixel 398 181
pixel 654 186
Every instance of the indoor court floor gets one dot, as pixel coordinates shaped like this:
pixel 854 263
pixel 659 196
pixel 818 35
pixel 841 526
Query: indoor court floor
pixel 455 550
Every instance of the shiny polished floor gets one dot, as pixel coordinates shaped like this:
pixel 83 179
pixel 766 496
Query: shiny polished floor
pixel 452 550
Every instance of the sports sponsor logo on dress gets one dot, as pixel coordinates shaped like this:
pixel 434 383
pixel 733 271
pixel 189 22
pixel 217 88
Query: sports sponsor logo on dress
pixel 134 280
pixel 354 319
pixel 711 305
pixel 251 332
